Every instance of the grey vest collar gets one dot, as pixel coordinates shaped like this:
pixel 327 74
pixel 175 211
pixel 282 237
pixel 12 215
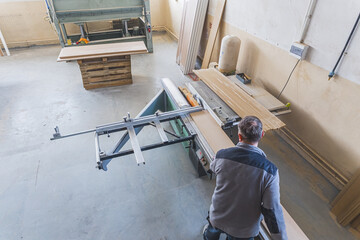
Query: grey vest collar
pixel 250 148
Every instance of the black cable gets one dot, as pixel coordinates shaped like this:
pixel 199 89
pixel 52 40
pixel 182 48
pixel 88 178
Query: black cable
pixel 288 78
pixel 332 73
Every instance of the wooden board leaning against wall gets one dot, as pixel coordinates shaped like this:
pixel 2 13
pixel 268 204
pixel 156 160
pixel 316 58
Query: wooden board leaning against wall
pixel 346 206
pixel 213 34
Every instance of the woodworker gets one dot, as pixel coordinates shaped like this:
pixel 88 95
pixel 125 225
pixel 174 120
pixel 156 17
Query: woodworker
pixel 247 188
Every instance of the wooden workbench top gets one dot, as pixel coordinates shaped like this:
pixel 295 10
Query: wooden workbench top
pixel 102 50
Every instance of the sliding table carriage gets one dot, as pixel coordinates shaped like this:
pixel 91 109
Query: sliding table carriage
pixel 130 20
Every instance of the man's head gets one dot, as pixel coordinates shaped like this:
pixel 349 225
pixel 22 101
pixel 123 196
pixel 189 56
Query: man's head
pixel 250 130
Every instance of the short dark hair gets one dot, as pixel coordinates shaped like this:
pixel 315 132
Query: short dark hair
pixel 250 128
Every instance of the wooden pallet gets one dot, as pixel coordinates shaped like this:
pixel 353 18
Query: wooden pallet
pixel 105 71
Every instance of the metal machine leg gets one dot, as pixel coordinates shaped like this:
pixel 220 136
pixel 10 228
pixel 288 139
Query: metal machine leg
pixel 161 131
pixel 135 145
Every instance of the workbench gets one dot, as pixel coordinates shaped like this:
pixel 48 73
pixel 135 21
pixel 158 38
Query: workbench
pixel 104 65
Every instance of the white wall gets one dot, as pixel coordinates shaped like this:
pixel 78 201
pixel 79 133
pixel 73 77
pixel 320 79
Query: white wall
pixel 174 9
pixel 158 10
pixel 24 23
pixel 279 22
pixel 325 114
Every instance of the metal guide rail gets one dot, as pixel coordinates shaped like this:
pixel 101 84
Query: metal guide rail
pixel 132 126
pixel 168 105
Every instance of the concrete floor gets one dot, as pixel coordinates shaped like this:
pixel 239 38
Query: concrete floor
pixel 51 189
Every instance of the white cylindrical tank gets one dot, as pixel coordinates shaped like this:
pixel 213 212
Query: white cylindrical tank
pixel 229 52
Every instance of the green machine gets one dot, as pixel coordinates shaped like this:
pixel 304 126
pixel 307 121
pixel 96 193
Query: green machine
pixel 130 20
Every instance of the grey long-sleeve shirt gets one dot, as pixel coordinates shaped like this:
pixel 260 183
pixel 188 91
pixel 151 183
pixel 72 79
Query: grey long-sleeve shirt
pixel 247 188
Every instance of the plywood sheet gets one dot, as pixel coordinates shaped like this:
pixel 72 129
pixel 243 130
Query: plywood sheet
pixel 346 206
pixel 212 132
pixel 213 33
pixel 102 50
pixel 238 100
pixel 294 232
pixel 217 140
pixel 259 93
pixel 192 23
pixel 181 34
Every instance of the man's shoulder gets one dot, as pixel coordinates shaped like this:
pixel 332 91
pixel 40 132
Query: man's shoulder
pixel 248 158
pixel 226 152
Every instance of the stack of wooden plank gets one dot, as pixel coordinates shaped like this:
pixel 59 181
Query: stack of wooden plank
pixel 102 50
pixel 192 24
pixel 105 72
pixel 238 100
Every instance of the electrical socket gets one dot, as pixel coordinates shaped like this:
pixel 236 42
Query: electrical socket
pixel 299 50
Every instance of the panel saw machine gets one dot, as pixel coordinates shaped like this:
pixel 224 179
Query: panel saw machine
pixel 174 106
pixel 169 105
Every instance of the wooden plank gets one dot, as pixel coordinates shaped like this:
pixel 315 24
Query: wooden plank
pixel 92 57
pixel 237 99
pixel 106 72
pixel 213 33
pixel 356 223
pixel 105 59
pixel 107 84
pixel 212 132
pixel 189 21
pixel 192 24
pixel 293 230
pixel 217 140
pixel 84 67
pixel 107 78
pixel 101 50
pixel 1 52
pixel 181 35
pixel 259 93
pixel 346 206
pixel 317 161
